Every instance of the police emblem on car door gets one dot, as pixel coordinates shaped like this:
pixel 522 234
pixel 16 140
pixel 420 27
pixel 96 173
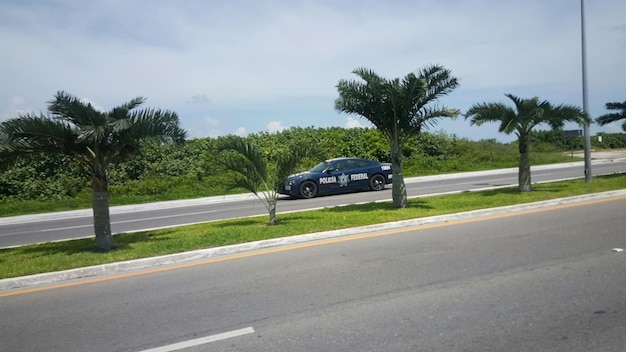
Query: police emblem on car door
pixel 338 173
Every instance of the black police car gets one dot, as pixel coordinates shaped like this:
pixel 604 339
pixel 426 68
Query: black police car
pixel 337 176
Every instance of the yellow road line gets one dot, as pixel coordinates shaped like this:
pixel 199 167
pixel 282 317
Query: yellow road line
pixel 298 246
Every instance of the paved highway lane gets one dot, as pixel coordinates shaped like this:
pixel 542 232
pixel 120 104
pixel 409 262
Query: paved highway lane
pixel 58 226
pixel 532 281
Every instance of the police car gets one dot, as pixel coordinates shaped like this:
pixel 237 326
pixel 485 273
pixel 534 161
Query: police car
pixel 337 176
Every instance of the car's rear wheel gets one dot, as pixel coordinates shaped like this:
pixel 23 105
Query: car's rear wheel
pixel 308 189
pixel 377 182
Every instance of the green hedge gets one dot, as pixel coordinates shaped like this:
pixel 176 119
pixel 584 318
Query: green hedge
pixel 193 168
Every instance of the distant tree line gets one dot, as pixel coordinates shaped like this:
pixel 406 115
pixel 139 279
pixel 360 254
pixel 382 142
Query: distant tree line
pixel 155 166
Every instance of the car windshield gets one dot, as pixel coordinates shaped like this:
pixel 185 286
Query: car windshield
pixel 321 166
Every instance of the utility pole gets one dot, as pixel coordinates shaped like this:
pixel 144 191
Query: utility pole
pixel 585 98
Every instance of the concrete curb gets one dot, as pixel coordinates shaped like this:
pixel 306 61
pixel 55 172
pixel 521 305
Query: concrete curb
pixel 131 265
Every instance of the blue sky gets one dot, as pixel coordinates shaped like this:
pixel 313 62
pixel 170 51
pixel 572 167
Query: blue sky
pixel 239 67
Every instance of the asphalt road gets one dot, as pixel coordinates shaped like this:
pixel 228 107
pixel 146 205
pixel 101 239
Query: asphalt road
pixel 22 230
pixel 540 280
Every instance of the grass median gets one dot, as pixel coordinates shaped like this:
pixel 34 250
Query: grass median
pixel 55 256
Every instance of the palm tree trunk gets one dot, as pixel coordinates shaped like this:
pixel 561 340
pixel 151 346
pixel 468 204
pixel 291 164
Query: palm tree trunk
pixel 525 184
pixel 398 188
pixel 524 181
pixel 101 216
pixel 271 206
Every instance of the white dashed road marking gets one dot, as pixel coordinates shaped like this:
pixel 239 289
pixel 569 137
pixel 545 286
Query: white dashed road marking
pixel 202 340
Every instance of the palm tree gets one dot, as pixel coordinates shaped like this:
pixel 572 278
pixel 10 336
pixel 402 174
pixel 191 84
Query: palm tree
pixel 397 108
pixel 608 118
pixel 527 114
pixel 248 161
pixel 94 137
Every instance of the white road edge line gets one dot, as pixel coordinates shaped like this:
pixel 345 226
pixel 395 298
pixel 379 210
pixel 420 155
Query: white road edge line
pixel 133 220
pixel 202 340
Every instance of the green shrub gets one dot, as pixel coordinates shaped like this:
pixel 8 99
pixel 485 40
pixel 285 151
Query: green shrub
pixel 610 141
pixel 160 172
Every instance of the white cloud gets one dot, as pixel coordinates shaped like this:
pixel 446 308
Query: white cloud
pixel 17 101
pixel 241 132
pixel 252 57
pixel 211 122
pixel 16 106
pixel 209 128
pixel 199 99
pixel 206 126
pixel 353 123
pixel 94 105
pixel 275 126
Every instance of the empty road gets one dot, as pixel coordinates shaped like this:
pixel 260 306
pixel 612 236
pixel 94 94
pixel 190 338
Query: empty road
pixel 541 280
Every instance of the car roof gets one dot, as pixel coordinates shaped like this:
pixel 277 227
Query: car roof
pixel 346 158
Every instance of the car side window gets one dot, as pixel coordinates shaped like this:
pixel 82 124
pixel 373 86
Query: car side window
pixel 358 164
pixel 340 165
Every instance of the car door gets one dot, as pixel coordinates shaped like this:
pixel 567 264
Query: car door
pixel 338 179
pixel 359 176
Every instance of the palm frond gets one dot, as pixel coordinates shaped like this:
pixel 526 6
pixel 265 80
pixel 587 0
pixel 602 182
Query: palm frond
pixel 151 124
pixel 252 161
pixel 428 116
pixel 612 117
pixel 288 161
pixel 439 82
pixel 357 98
pixel 558 115
pixel 368 75
pixel 71 109
pixel 527 114
pixel 76 128
pixel 364 97
pixel 617 106
pixel 487 112
pixel 32 133
pixel 119 116
pixel 242 182
pixel 517 101
pixel 132 104
pixel 609 118
pixel 397 105
pixel 510 124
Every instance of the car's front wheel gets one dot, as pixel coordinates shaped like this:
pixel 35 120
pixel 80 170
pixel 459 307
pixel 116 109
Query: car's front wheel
pixel 308 189
pixel 377 182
